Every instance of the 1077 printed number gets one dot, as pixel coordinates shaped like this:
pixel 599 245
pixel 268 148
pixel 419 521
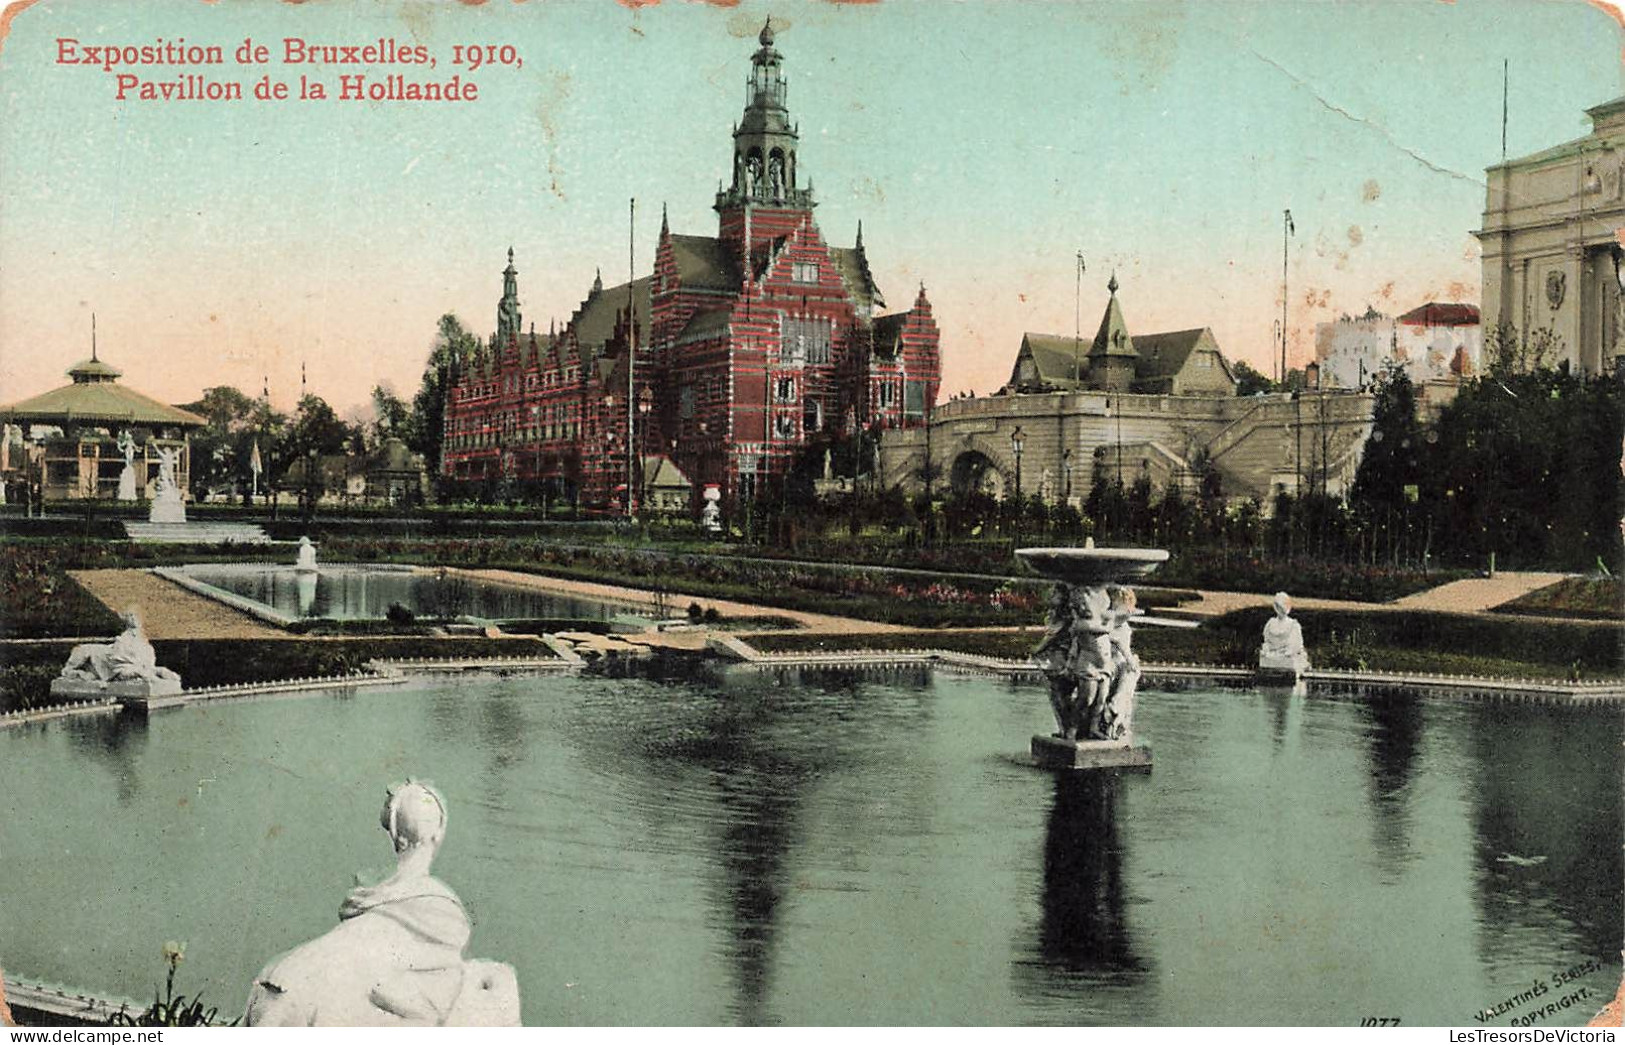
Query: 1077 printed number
pixel 1379 1021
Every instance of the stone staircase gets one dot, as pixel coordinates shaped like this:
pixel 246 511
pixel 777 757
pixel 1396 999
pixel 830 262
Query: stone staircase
pixel 196 533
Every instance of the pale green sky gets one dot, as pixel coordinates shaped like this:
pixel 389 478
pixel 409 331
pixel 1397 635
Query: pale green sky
pixel 981 144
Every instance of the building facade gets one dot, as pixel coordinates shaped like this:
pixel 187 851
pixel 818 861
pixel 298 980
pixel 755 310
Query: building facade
pixel 1432 342
pixel 1125 406
pixel 1552 259
pixel 733 355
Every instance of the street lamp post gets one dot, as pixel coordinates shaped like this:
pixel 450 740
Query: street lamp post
pixel 646 400
pixel 1016 439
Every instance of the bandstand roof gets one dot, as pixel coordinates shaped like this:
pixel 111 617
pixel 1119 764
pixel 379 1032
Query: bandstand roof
pixel 96 396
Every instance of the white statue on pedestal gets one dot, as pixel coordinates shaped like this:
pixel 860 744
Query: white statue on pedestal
pixel 1283 648
pixel 126 478
pixel 127 666
pixel 306 562
pixel 711 514
pixel 396 957
pixel 167 505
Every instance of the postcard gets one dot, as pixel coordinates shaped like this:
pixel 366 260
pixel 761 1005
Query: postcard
pixel 795 513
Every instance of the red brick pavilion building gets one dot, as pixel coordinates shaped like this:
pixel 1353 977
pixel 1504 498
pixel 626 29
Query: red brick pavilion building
pixel 746 346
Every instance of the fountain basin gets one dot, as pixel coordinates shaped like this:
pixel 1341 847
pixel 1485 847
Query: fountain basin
pixel 1092 565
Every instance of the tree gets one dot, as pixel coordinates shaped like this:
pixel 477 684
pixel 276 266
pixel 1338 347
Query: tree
pixel 1249 381
pixel 222 449
pixel 453 345
pixel 1389 480
pixel 1507 352
pixel 316 427
pixel 392 416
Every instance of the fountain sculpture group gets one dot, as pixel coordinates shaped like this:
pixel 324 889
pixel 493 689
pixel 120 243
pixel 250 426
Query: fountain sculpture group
pixel 396 957
pixel 1086 655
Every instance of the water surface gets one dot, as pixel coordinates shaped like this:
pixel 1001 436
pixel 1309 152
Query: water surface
pixel 816 848
pixel 345 592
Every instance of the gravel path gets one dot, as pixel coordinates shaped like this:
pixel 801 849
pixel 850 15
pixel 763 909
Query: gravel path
pixel 1473 595
pixel 169 611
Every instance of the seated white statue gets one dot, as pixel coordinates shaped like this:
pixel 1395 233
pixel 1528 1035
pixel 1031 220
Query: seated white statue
pixel 396 956
pixel 128 657
pixel 1283 648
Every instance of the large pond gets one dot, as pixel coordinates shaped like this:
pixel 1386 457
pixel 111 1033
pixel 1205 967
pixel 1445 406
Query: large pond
pixel 351 592
pixel 818 848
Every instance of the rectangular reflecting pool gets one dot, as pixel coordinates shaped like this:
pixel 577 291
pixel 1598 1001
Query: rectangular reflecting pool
pixel 822 848
pixel 362 592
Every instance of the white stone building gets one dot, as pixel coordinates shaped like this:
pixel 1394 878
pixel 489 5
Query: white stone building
pixel 1552 259
pixel 1433 342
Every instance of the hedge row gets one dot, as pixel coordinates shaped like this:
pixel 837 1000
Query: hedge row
pixel 29 668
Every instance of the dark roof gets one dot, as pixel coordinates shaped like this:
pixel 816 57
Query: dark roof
pixel 705 263
pixel 888 330
pixel 703 325
pixel 853 266
pixel 1058 359
pixel 594 321
pixel 1441 314
pixel 1113 338
pixel 1162 355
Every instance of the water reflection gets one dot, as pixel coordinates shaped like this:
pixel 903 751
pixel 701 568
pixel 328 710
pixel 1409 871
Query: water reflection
pixel 362 593
pixel 1083 937
pixel 117 743
pixel 1546 806
pixel 1393 742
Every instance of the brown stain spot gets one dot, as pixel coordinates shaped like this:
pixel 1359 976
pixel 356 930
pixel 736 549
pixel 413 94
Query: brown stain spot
pixel 1459 291
pixel 13 9
pixel 746 24
pixel 214 317
pixel 1610 10
pixel 1356 236
pixel 1320 298
pixel 1386 292
pixel 184 802
pixel 1370 191
pixel 1021 298
pixel 554 95
pixel 274 832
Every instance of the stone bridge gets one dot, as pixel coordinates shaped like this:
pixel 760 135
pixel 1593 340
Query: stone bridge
pixel 1258 444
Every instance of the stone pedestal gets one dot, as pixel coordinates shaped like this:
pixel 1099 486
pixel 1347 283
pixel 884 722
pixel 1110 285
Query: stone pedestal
pixel 167 507
pixel 129 689
pixel 1053 752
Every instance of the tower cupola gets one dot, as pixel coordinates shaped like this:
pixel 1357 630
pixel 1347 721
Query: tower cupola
pixel 765 141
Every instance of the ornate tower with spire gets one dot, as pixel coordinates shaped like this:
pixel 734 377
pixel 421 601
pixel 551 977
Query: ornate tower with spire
pixel 508 320
pixel 766 185
pixel 1112 357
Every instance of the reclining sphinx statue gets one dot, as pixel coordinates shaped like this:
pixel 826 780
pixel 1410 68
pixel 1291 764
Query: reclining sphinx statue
pixel 125 666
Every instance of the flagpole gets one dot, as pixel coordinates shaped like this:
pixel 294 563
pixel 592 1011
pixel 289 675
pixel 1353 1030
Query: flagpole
pixel 1286 230
pixel 1077 322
